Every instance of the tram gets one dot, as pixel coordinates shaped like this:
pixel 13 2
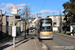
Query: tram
pixel 44 29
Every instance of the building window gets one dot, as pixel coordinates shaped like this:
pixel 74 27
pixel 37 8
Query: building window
pixel 54 23
pixel 7 19
pixel 54 18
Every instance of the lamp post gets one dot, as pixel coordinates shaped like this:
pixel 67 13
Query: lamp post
pixel 60 28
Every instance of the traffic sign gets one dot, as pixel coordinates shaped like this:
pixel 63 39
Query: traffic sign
pixel 13 6
pixel 13 31
pixel 17 17
pixel 13 9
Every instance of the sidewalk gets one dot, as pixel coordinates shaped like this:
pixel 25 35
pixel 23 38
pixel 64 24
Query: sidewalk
pixel 31 43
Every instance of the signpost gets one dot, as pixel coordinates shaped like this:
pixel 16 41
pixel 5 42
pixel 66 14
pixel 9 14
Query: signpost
pixel 13 31
pixel 14 12
pixel 17 17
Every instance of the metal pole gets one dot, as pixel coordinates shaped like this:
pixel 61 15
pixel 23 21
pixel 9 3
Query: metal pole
pixel 14 37
pixel 14 21
pixel 65 24
pixel 25 26
pixel 25 30
pixel 60 22
pixel 28 20
pixel 13 42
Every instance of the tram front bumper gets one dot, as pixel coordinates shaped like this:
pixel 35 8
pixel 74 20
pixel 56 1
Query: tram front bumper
pixel 46 36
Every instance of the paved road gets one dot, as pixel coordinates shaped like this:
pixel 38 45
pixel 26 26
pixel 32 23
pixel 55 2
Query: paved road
pixel 60 43
pixel 52 45
pixel 64 41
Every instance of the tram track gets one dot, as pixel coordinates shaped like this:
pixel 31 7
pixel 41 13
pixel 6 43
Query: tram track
pixel 44 46
pixel 59 43
pixel 50 44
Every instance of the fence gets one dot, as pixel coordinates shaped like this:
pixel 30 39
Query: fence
pixel 7 31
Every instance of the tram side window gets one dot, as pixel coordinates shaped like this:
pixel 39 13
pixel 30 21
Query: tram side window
pixel 38 28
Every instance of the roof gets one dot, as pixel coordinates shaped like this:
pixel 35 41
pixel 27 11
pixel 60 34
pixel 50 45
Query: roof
pixel 39 17
pixel 34 19
pixel 55 15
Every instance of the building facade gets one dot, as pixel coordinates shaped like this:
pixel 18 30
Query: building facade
pixel 8 23
pixel 33 21
pixel 56 21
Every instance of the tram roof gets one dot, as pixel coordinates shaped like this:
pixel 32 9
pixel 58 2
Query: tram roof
pixel 45 18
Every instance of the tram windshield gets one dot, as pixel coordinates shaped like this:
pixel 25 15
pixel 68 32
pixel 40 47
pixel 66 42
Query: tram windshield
pixel 46 25
pixel 46 28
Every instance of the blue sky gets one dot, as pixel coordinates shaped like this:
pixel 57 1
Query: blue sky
pixel 49 7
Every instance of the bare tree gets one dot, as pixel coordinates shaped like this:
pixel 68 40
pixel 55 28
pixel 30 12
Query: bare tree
pixel 26 13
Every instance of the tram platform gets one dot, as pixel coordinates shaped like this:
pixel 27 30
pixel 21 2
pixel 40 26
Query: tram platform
pixel 30 43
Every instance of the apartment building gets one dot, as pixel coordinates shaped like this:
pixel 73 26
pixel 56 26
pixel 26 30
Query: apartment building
pixel 32 22
pixel 7 23
pixel 56 21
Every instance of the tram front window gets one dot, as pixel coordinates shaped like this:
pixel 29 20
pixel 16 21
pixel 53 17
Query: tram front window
pixel 46 28
pixel 46 25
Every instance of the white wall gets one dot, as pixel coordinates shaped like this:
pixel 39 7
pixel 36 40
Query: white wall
pixel 55 28
pixel 33 23
pixel 57 22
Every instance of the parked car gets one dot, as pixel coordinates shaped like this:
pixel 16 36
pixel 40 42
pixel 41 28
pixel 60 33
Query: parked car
pixel 32 29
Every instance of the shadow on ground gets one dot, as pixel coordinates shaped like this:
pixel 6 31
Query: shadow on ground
pixel 20 41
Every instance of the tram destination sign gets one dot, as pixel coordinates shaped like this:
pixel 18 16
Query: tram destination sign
pixel 46 21
pixel 46 24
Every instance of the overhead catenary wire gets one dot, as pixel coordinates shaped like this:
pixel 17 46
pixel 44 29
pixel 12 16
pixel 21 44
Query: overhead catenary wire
pixel 42 5
pixel 60 7
pixel 41 8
